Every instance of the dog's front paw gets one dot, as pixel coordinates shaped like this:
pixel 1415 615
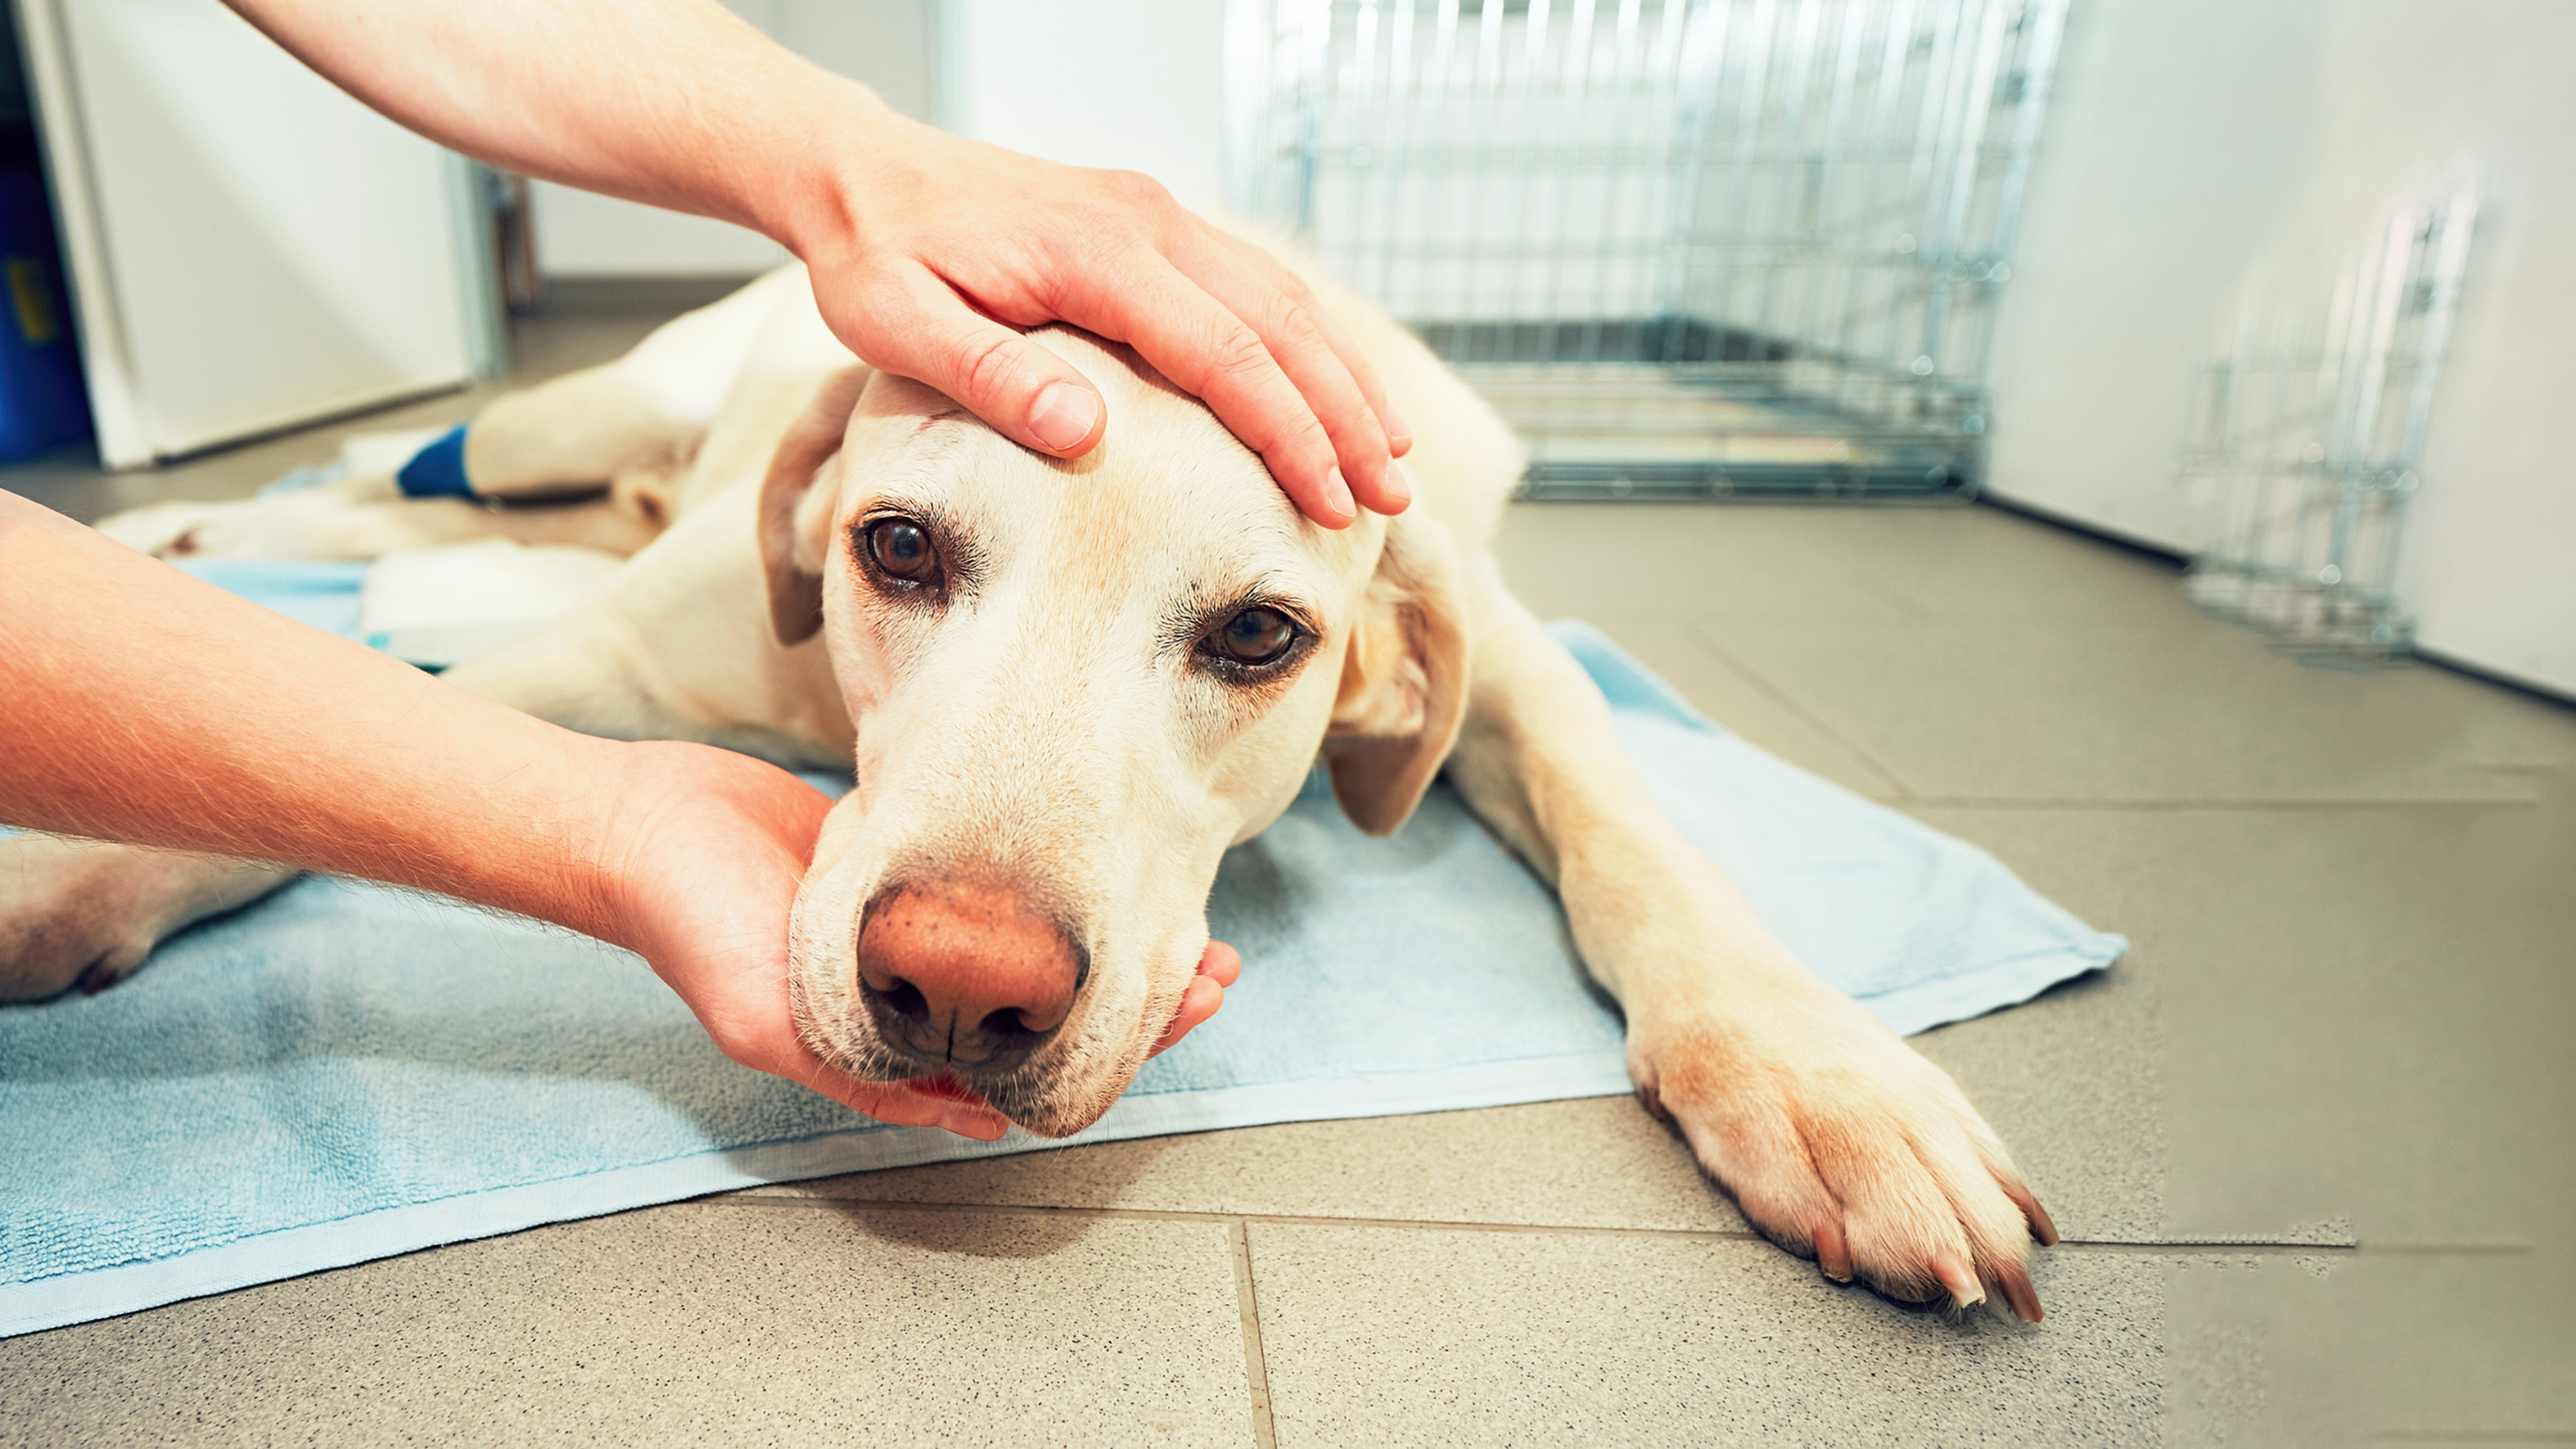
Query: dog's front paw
pixel 1844 1145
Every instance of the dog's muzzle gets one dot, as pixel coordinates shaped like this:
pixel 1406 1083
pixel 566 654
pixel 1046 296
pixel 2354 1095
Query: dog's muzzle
pixel 966 977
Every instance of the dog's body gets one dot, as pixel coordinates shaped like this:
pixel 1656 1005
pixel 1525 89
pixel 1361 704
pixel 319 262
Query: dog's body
pixel 1066 689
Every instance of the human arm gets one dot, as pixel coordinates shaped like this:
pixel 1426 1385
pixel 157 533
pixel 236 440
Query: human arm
pixel 140 705
pixel 927 251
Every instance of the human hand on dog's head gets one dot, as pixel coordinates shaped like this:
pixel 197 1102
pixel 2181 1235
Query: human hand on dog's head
pixel 714 848
pixel 947 246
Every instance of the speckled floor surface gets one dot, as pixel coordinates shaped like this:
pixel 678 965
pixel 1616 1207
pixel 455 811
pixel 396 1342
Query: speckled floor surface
pixel 2310 1144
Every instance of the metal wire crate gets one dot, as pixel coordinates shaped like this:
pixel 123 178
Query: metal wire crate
pixel 1687 247
pixel 2303 443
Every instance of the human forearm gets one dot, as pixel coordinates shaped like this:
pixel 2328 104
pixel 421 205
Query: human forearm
pixel 675 103
pixel 929 253
pixel 138 704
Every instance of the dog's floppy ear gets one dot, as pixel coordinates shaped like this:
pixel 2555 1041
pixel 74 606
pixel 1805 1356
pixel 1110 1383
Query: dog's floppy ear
pixel 791 544
pixel 1404 679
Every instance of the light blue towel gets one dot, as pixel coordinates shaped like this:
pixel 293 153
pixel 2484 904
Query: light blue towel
pixel 324 595
pixel 347 1072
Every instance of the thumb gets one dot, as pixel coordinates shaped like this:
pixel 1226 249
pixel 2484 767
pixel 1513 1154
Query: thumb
pixel 926 332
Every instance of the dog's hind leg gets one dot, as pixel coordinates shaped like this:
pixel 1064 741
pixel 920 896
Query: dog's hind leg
pixel 86 913
pixel 350 527
pixel 632 426
pixel 1838 1140
pixel 591 458
pixel 594 457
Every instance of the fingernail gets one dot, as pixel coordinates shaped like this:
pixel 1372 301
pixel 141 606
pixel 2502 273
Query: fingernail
pixel 1399 486
pixel 1064 415
pixel 1399 433
pixel 1338 494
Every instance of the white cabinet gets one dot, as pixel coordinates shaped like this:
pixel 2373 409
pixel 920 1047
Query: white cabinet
pixel 249 248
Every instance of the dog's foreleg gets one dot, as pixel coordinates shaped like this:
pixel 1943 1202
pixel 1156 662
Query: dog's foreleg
pixel 633 425
pixel 1835 1137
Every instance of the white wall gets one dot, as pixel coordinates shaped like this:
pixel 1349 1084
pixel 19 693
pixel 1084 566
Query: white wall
pixel 1131 83
pixel 883 43
pixel 1138 84
pixel 2200 146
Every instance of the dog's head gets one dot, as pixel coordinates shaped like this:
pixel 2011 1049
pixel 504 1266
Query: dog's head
pixel 1074 685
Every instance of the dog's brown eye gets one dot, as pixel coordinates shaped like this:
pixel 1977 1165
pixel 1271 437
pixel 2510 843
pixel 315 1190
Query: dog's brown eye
pixel 902 548
pixel 1255 636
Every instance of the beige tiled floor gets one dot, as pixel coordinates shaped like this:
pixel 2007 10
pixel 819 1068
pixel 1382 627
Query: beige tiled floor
pixel 2310 1143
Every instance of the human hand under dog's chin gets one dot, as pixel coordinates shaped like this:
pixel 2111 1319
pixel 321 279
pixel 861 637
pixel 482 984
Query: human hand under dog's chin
pixel 702 875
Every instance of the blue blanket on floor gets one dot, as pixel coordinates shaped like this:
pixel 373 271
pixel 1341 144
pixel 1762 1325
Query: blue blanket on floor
pixel 345 1072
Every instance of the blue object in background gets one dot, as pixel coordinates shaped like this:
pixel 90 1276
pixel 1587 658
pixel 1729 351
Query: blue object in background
pixel 43 403
pixel 437 471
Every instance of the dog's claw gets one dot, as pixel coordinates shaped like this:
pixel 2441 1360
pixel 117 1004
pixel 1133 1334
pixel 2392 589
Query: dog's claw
pixel 1965 1290
pixel 1652 1101
pixel 2018 1292
pixel 1833 1255
pixel 2041 1227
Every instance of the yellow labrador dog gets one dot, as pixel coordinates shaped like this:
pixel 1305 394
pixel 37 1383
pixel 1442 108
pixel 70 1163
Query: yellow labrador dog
pixel 1066 689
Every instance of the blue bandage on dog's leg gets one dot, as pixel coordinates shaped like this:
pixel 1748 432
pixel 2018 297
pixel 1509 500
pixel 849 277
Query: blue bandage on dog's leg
pixel 437 471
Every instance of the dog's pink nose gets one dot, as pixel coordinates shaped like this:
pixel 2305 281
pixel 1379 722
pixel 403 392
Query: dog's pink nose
pixel 965 975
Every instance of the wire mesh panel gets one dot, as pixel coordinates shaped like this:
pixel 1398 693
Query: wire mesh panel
pixel 1687 247
pixel 2304 439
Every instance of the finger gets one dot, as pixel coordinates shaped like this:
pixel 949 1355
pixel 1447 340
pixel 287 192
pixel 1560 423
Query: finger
pixel 888 1102
pixel 918 327
pixel 906 1108
pixel 1320 359
pixel 1220 963
pixel 1399 434
pixel 1290 322
pixel 1210 352
pixel 1198 1002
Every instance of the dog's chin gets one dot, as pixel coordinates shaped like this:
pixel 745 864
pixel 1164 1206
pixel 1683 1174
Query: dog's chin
pixel 1037 1100
pixel 1057 1113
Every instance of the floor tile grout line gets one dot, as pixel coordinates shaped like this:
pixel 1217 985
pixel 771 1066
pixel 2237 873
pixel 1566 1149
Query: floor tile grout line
pixel 1780 697
pixel 1180 1215
pixel 1996 802
pixel 2476 1437
pixel 1840 568
pixel 1733 1235
pixel 1256 1363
